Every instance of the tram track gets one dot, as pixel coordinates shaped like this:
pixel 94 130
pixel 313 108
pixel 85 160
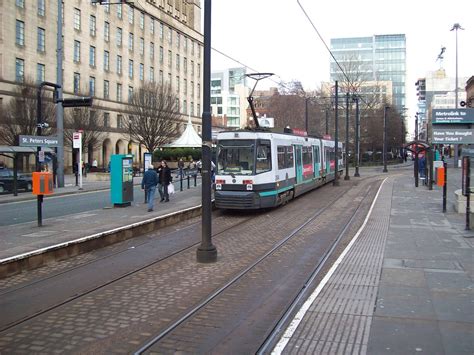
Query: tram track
pixel 152 344
pixel 226 233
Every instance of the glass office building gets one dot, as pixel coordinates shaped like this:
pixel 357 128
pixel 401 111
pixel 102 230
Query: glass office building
pixel 378 58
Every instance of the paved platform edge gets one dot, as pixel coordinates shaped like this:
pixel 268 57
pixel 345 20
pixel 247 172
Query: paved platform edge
pixel 37 258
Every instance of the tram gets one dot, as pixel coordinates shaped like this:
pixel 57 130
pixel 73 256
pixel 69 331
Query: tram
pixel 258 168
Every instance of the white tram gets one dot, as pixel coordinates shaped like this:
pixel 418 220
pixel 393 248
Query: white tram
pixel 260 169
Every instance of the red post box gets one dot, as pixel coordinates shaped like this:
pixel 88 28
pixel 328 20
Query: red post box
pixel 42 183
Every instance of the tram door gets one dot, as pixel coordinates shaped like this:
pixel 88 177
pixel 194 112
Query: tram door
pixel 298 163
pixel 317 162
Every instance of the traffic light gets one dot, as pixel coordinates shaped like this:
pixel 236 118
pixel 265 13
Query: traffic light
pixel 77 102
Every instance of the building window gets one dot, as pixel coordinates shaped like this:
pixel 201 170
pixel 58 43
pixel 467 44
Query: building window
pixel 177 85
pixel 152 74
pixel 142 46
pixel 20 33
pixel 185 87
pixel 41 7
pixel 141 71
pixel 170 36
pixel 161 31
pixel 119 121
pixel 199 109
pixel 77 83
pixel 92 25
pixel 185 107
pixel 130 15
pixel 178 60
pixel 130 41
pixel 192 88
pixel 77 19
pixel 119 64
pixel 142 20
pixel 185 65
pixel 92 56
pixel 41 39
pixel 106 8
pixel 20 3
pixel 106 60
pixel 178 38
pixel 160 79
pixel 130 69
pixel 119 11
pixel 169 79
pixel 19 70
pixel 192 47
pixel 106 119
pixel 152 50
pixel 191 109
pixel 40 72
pixel 152 26
pixel 77 52
pixel 170 59
pixel 130 94
pixel 192 68
pixel 199 70
pixel 91 86
pixel 199 91
pixel 106 31
pixel 186 44
pixel 106 89
pixel 119 92
pixel 119 36
pixel 161 55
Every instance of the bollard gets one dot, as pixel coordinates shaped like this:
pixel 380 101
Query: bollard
pixel 445 168
pixel 188 182
pixel 195 178
pixel 181 182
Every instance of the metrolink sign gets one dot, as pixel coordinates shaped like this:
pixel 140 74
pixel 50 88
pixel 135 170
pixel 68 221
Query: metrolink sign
pixel 448 116
pixel 39 141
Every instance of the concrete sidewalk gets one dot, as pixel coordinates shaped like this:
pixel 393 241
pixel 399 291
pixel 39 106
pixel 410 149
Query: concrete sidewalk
pixel 25 246
pixel 405 286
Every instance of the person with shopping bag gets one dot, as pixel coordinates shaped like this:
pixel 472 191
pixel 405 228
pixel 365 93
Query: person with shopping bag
pixel 164 180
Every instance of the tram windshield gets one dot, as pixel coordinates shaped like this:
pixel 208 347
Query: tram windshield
pixel 236 157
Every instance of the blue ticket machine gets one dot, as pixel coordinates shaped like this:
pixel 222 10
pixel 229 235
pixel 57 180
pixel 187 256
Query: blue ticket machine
pixel 121 180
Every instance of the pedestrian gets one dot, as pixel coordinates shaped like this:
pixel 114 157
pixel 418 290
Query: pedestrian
pixel 180 168
pixel 149 182
pixel 199 166
pixel 422 166
pixel 164 179
pixel 213 172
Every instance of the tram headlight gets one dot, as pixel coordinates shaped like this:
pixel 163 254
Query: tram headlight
pixel 218 186
pixel 249 187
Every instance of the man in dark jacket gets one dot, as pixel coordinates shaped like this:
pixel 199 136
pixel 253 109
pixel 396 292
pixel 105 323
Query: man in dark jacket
pixel 164 179
pixel 149 182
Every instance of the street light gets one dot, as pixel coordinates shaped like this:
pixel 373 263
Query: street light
pixel 456 27
pixel 347 177
pixel 357 137
pixel 206 252
pixel 385 139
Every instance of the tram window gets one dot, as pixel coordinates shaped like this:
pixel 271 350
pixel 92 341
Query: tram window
pixel 307 158
pixel 289 157
pixel 316 155
pixel 281 157
pixel 235 157
pixel 264 161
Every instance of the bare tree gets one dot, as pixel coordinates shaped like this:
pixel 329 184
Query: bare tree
pixel 153 113
pixel 84 119
pixel 19 117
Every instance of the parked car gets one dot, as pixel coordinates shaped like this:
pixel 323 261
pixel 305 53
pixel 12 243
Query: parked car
pixel 24 182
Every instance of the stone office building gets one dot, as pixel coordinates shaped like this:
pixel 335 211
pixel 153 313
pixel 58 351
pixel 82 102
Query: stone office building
pixel 109 50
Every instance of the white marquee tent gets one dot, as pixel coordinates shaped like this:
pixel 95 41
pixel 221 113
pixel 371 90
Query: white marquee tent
pixel 189 138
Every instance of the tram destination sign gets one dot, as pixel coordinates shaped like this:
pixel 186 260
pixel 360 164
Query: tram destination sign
pixel 453 136
pixel 39 141
pixel 459 116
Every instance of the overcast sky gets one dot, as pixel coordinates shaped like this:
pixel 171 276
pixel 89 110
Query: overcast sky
pixel 275 35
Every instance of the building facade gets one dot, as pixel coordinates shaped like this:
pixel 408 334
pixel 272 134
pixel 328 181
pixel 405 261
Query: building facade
pixel 109 50
pixel 373 60
pixel 229 94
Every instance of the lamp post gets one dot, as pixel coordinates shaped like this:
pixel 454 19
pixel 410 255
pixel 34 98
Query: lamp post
pixel 385 139
pixel 357 137
pixel 59 105
pixel 336 140
pixel 347 177
pixel 206 252
pixel 456 27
